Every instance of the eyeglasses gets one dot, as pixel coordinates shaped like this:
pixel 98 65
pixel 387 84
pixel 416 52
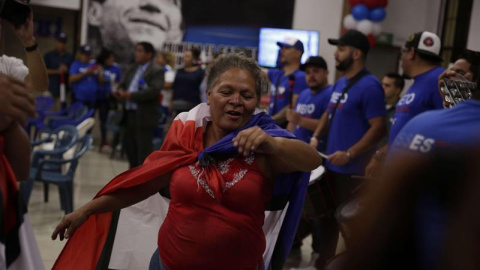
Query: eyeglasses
pixel 404 50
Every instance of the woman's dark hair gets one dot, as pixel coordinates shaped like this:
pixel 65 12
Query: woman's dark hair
pixel 228 61
pixel 103 56
pixel 195 53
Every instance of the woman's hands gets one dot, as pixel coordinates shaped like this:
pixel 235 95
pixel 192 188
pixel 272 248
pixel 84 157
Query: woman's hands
pixel 254 139
pixel 69 224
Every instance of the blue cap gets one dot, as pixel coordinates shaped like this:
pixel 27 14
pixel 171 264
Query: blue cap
pixel 86 49
pixel 290 42
pixel 62 37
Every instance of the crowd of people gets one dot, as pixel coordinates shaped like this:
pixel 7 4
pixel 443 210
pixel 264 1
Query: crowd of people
pixel 225 163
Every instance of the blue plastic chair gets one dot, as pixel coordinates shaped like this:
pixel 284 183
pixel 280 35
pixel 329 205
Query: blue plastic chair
pixel 79 117
pixel 62 140
pixel 43 104
pixel 113 125
pixel 63 181
pixel 67 113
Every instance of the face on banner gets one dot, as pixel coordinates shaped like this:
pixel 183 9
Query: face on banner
pixel 133 21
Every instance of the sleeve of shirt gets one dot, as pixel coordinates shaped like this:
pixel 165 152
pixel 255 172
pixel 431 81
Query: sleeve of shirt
pixel 119 77
pixel 436 99
pixel 299 85
pixel 373 100
pixel 169 76
pixel 74 68
pixel 16 68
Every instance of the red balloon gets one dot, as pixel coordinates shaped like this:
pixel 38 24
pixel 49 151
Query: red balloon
pixel 355 2
pixel 371 40
pixel 375 3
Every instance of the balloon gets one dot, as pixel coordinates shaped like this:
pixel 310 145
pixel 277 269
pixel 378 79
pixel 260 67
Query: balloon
pixel 377 14
pixel 360 12
pixel 365 26
pixel 355 2
pixel 376 29
pixel 371 40
pixel 375 3
pixel 349 22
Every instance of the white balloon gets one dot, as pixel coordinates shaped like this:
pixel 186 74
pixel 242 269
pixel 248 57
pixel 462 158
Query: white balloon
pixel 376 29
pixel 349 22
pixel 365 26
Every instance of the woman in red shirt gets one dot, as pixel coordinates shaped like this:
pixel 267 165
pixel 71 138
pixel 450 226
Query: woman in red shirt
pixel 218 196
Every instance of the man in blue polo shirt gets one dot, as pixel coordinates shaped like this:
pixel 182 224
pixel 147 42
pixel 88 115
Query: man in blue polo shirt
pixel 83 77
pixel 312 102
pixel 288 82
pixel 58 62
pixel 354 123
pixel 421 61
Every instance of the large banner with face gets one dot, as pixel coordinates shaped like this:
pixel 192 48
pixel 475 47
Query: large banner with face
pixel 120 24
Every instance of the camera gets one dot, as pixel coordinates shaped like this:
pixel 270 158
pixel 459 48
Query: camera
pixel 457 91
pixel 15 11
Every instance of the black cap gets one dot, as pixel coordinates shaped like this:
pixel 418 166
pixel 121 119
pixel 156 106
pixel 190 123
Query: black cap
pixel 352 38
pixel 62 37
pixel 86 49
pixel 426 43
pixel 317 61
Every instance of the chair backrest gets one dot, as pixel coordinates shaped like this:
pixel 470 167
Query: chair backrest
pixel 85 126
pixel 74 107
pixel 65 137
pixel 80 147
pixel 43 103
pixel 78 114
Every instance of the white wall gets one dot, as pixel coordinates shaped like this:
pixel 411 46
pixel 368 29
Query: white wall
pixel 406 17
pixel 474 31
pixel 324 16
pixel 66 4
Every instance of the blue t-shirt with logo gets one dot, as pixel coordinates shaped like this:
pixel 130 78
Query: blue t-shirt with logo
pixel 311 105
pixel 449 132
pixel 112 74
pixel 86 88
pixel 422 96
pixel 281 87
pixel 363 101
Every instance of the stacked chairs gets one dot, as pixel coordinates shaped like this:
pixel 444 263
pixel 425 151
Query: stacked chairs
pixel 43 105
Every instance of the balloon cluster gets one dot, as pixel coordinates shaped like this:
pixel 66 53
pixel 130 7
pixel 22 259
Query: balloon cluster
pixel 366 17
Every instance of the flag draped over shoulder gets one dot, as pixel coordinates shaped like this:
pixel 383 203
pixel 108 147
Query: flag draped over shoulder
pixel 127 240
pixel 18 247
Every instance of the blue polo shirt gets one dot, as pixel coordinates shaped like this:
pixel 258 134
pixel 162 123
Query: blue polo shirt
pixel 363 101
pixel 112 74
pixel 281 87
pixel 311 105
pixel 449 131
pixel 53 60
pixel 421 96
pixel 86 88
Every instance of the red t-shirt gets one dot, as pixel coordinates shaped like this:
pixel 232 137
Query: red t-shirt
pixel 203 232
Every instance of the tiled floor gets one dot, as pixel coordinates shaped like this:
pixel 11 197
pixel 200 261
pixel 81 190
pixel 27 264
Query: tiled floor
pixel 94 171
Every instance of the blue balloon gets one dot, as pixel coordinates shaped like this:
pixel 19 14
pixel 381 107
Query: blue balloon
pixel 378 14
pixel 360 12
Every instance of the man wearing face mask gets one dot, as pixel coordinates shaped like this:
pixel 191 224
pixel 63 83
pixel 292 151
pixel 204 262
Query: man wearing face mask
pixel 120 24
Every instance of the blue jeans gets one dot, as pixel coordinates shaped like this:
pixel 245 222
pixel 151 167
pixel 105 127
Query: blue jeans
pixel 156 263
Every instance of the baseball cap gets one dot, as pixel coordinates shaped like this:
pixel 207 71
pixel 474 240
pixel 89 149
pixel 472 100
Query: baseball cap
pixel 426 43
pixel 62 37
pixel 352 38
pixel 314 61
pixel 86 49
pixel 290 42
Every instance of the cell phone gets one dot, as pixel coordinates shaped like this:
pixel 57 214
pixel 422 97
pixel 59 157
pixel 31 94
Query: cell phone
pixel 457 91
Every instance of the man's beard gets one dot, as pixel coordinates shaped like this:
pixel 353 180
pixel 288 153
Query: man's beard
pixel 345 64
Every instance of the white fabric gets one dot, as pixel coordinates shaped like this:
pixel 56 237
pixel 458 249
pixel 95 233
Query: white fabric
pixel 13 66
pixel 169 74
pixel 29 255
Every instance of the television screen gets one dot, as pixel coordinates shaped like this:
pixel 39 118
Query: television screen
pixel 268 49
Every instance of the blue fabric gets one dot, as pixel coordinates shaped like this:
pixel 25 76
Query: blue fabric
pixel 365 100
pixel 421 96
pixel 111 74
pixel 86 88
pixel 449 131
pixel 187 85
pixel 289 188
pixel 53 60
pixel 311 105
pixel 280 80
